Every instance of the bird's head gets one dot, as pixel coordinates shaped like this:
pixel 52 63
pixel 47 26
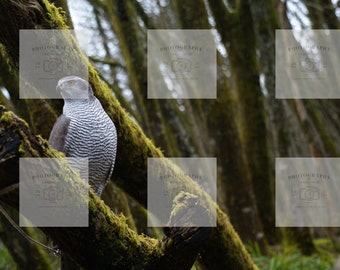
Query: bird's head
pixel 73 87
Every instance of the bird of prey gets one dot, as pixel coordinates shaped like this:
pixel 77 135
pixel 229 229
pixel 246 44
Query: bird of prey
pixel 84 130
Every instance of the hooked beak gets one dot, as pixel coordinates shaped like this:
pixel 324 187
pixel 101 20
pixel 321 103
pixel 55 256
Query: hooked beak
pixel 58 88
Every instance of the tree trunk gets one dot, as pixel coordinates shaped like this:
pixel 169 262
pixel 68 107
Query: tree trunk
pixel 241 46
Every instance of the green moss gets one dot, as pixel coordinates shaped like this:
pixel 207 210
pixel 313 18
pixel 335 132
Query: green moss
pixel 25 148
pixel 6 261
pixel 56 16
pixel 117 229
pixel 22 150
pixel 51 152
pixel 8 117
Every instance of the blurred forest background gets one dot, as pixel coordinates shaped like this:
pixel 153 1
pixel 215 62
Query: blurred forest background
pixel 245 128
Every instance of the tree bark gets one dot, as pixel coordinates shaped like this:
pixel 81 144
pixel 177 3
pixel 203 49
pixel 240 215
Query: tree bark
pixel 241 47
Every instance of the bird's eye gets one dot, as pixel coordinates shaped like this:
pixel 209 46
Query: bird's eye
pixel 71 82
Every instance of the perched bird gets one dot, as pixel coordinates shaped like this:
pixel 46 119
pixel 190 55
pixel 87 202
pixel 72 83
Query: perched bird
pixel 84 130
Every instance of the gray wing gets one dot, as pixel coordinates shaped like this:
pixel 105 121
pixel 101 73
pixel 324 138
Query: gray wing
pixel 59 132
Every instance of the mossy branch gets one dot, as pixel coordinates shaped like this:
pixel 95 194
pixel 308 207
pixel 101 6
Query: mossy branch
pixel 108 242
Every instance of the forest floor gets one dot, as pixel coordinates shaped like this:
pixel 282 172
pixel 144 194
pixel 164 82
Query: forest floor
pixel 291 259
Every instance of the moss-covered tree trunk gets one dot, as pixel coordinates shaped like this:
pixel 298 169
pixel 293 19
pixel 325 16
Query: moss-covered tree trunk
pixel 235 185
pixel 241 45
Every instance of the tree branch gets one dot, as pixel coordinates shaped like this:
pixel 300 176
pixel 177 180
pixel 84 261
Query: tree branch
pixel 108 242
pixel 108 61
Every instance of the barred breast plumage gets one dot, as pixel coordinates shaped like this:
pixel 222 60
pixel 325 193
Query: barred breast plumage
pixel 85 130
